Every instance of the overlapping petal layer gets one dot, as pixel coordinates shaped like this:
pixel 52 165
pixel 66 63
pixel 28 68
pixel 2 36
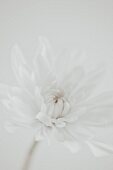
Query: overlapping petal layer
pixel 55 97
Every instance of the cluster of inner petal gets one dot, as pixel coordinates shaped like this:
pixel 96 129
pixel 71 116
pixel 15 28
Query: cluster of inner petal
pixel 55 109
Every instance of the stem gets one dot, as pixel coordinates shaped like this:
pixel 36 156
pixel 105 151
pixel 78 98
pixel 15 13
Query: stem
pixel 29 156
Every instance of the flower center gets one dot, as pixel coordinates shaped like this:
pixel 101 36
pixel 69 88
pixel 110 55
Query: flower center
pixel 54 109
pixel 58 107
pixel 55 99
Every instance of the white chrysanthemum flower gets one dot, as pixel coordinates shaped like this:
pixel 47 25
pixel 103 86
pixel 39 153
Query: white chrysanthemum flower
pixel 54 98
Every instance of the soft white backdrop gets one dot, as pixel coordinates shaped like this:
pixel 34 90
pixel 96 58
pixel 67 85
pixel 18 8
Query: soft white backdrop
pixel 80 24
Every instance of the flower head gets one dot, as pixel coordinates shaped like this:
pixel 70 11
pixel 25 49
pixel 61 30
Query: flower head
pixel 54 98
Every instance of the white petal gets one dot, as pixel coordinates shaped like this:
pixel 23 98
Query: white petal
pixel 43 117
pixel 66 61
pixel 67 108
pixel 23 72
pixel 19 102
pixel 24 96
pixel 58 109
pixel 80 132
pixel 38 97
pixel 73 146
pixel 100 149
pixel 105 98
pixel 58 134
pixel 42 64
pixel 22 107
pixel 12 125
pixel 42 133
pixel 47 49
pixel 72 79
pixel 59 122
pixel 86 87
pixel 99 110
pixel 67 139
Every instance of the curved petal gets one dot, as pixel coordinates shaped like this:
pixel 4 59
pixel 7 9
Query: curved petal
pixel 13 124
pixel 19 102
pixel 43 63
pixel 43 117
pixel 85 87
pixel 43 132
pixel 73 146
pixel 100 149
pixel 72 80
pixel 67 109
pixel 66 61
pixel 80 132
pixel 67 139
pixel 99 110
pixel 25 76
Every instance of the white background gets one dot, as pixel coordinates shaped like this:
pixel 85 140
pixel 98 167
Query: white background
pixel 81 24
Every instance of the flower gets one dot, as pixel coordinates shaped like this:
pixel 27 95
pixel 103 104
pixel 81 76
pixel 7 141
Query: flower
pixel 54 98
